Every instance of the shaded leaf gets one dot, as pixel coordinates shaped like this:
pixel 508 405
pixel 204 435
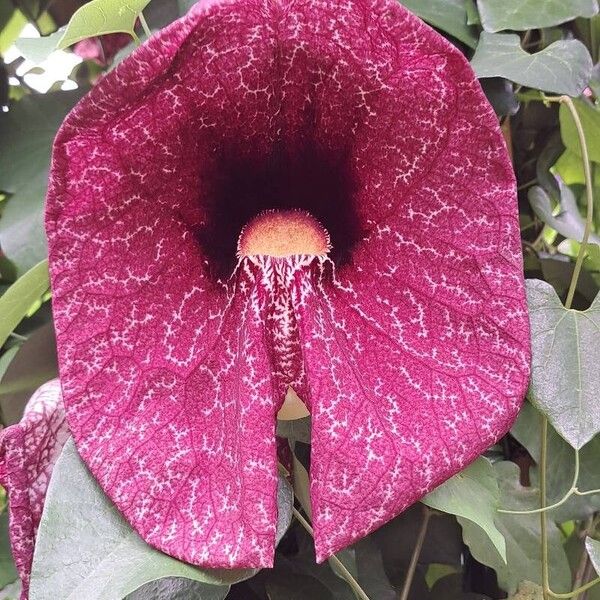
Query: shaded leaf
pixel 501 95
pixel 85 549
pixel 371 574
pixel 558 271
pixel 568 221
pixel 177 588
pixel 287 585
pixel 565 380
pixel 18 300
pixel 448 15
pixel 590 120
pixel 35 363
pixel 26 134
pixel 296 430
pixel 561 466
pixel 443 543
pixel 450 587
pixel 100 17
pixel 522 535
pixel 304 563
pixel 563 67
pixel 8 571
pixel 473 494
pixel 520 15
pixel 185 5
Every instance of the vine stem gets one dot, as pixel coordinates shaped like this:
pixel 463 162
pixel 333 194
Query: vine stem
pixel 414 559
pixel 546 590
pixel 339 564
pixel 145 25
pixel 568 102
pixel 572 491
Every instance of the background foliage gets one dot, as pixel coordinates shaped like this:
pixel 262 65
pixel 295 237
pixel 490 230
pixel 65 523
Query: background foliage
pixel 482 534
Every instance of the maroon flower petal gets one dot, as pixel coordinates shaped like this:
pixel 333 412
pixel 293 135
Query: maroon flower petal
pixel 28 451
pixel 412 353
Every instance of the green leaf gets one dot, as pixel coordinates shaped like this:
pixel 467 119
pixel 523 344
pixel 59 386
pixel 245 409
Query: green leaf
pixel 35 363
pixel 37 50
pixel 561 466
pixel 8 571
pixel 295 430
pixel 17 301
pixel 593 549
pixel 473 494
pixel 570 168
pixel 12 591
pixel 448 15
pixel 100 17
pixel 522 535
pixel 521 15
pixel 26 134
pixel 590 120
pixel 568 221
pixel 85 549
pixel 563 67
pixel 13 23
pixel 565 379
pixel 185 5
pixel 176 588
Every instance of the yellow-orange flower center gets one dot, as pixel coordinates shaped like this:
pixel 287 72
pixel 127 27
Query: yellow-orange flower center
pixel 283 233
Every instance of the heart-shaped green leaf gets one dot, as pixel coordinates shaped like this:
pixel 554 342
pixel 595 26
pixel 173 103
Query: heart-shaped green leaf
pixel 564 67
pixel 565 379
pixel 520 15
pixel 85 549
pixel 100 17
pixel 473 494
pixel 448 15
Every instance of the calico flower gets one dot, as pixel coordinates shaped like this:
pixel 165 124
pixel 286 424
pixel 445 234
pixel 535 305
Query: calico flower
pixel 284 194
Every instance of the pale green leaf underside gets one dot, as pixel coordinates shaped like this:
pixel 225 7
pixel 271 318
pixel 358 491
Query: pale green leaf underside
pixel 520 15
pixel 85 549
pixel 473 494
pixel 100 17
pixel 565 379
pixel 37 50
pixel 564 67
pixel 568 221
pixel 593 550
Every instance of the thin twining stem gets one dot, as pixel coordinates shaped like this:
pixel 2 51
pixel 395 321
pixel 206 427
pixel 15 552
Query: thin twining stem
pixel 585 158
pixel 145 25
pixel 414 559
pixel 572 491
pixel 338 563
pixel 546 590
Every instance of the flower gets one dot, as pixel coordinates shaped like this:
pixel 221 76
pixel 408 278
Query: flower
pixel 102 49
pixel 397 313
pixel 28 451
